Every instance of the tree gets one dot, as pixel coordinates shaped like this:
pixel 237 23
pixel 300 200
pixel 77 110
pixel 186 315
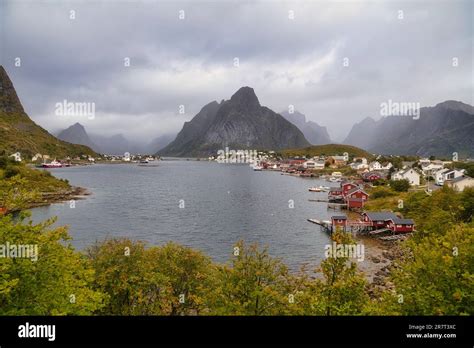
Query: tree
pixel 400 185
pixel 341 291
pixel 52 280
pixel 436 277
pixel 188 275
pixel 256 284
pixel 126 272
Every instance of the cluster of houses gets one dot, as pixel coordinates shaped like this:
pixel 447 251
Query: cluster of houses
pixel 374 222
pixel 350 194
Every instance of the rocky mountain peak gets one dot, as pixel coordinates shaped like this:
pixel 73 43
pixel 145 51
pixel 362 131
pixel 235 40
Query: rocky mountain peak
pixel 245 97
pixel 9 101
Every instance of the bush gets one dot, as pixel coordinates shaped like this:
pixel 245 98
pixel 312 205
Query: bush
pixel 11 171
pixel 400 185
pixel 381 192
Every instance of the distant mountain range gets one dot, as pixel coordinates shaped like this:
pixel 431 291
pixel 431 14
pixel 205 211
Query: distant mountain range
pixel 238 123
pixel 313 132
pixel 441 130
pixel 113 145
pixel 18 133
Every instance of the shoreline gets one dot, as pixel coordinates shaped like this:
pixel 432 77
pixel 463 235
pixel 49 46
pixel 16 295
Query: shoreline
pixel 48 198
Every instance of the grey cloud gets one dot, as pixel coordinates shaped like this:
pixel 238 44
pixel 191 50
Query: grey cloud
pixel 189 61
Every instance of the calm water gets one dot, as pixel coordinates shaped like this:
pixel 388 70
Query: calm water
pixel 222 204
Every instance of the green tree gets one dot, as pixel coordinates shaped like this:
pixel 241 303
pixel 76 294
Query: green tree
pixel 188 275
pixel 57 281
pixel 341 291
pixel 126 272
pixel 256 284
pixel 436 276
pixel 400 185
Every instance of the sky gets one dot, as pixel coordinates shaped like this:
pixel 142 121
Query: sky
pixel 334 61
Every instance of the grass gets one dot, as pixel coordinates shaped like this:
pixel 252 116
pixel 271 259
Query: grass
pixel 327 150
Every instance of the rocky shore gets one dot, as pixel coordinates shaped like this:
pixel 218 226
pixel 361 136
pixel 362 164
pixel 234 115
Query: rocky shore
pixel 47 198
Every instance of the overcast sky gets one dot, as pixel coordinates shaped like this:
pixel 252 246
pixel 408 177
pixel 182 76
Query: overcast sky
pixel 398 50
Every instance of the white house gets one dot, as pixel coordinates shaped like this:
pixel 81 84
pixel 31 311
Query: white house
pixel 460 183
pixel 447 174
pixel 374 166
pixel 313 164
pixel 36 157
pixel 16 156
pixel 409 174
pixel 360 163
pixel 432 167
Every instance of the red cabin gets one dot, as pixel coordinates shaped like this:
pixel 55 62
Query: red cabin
pixel 339 222
pixel 379 220
pixel 401 225
pixel 346 187
pixel 354 203
pixel 335 193
pixel 357 193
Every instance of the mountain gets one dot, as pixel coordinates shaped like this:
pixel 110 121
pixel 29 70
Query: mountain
pixel 76 134
pixel 238 123
pixel 114 145
pixel 19 133
pixel 313 132
pixel 439 131
pixel 361 133
pixel 160 142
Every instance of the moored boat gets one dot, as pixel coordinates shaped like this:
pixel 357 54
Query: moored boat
pixel 52 164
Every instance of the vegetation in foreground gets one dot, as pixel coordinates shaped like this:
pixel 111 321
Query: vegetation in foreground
pixel 22 187
pixel 434 275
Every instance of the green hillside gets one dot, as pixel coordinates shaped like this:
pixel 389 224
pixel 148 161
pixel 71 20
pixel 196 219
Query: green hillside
pixel 19 133
pixel 326 150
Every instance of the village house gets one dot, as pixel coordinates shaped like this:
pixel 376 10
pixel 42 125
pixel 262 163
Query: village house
pixel 443 175
pixel 314 164
pixel 379 220
pixel 372 176
pixel 460 183
pixel 339 222
pixel 430 167
pixel 16 156
pixel 409 174
pixel 359 163
pixel 347 186
pixel 335 194
pixel 376 166
pixel 338 160
pixel 354 203
pixel 401 225
pixel 357 192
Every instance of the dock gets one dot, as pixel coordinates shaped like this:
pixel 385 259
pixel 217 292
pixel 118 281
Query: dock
pixel 324 224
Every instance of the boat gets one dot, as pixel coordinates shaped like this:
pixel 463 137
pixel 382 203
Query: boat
pixel 145 161
pixel 52 164
pixel 315 189
pixel 257 168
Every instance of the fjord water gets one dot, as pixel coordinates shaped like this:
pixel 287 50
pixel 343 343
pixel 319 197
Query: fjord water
pixel 220 205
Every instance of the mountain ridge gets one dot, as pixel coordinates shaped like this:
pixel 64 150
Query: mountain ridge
pixel 240 122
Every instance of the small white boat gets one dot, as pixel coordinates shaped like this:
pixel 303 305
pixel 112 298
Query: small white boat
pixel 315 189
pixel 257 168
